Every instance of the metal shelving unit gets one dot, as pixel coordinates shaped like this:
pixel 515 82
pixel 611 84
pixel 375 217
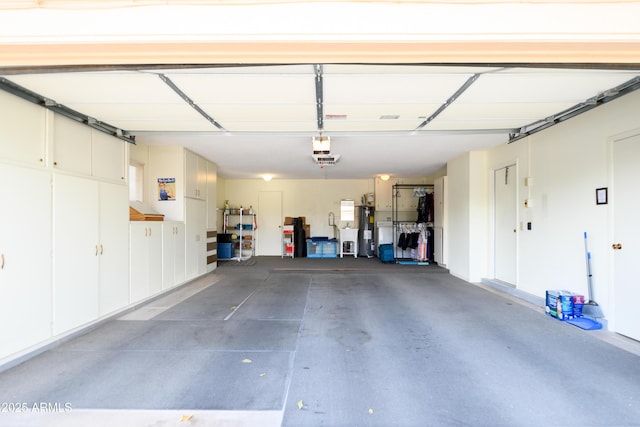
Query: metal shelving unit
pixel 244 242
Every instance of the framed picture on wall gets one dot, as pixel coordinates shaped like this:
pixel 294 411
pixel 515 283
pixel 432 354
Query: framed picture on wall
pixel 601 196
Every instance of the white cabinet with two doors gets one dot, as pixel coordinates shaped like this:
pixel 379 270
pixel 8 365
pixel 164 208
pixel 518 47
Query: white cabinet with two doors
pixel 89 250
pixel 157 257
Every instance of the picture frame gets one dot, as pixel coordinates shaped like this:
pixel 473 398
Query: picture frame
pixel 602 197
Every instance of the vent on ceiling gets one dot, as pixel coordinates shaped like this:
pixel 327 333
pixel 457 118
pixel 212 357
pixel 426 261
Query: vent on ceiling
pixel 389 117
pixel 326 159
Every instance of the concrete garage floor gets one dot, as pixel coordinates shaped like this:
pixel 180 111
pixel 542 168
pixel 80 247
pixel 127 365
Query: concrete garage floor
pixel 329 342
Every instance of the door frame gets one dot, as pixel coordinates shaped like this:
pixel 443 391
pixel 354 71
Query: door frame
pixel 492 220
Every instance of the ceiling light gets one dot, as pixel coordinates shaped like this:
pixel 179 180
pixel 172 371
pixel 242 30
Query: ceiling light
pixel 384 177
pixel 267 177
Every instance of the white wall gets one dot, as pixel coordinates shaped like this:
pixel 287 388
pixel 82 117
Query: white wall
pixel 311 198
pixel 467 213
pixel 566 163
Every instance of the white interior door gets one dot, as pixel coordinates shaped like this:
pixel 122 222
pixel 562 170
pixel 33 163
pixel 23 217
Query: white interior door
pixel 626 203
pixel 269 238
pixel 505 225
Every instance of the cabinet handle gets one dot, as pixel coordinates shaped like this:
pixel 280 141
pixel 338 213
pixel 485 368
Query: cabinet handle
pixel 149 231
pixel 101 249
pixel 96 250
pixel 146 231
pixel 2 265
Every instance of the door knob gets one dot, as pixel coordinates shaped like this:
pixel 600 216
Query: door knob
pixel 617 246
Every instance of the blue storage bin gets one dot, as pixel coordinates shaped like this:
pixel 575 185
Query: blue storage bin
pixel 321 248
pixel 224 250
pixel 386 253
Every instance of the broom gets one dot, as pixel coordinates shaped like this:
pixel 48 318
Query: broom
pixel 590 307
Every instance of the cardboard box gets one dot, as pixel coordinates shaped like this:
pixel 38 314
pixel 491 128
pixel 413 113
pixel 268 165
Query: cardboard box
pixel 288 220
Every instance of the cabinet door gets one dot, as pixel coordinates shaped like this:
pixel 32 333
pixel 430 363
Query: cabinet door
pixel 168 254
pixel 212 197
pixel 71 146
pixel 179 253
pixel 191 174
pixel 138 260
pixel 195 175
pixel 172 254
pixel 195 237
pixel 25 259
pixel 108 156
pixel 76 251
pixel 22 126
pixel 202 177
pixel 114 247
pixel 154 257
pixel 383 194
pixel 146 259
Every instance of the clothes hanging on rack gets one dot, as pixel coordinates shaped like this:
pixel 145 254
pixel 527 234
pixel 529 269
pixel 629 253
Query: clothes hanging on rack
pixel 422 209
pixel 402 241
pixel 425 208
pixel 422 247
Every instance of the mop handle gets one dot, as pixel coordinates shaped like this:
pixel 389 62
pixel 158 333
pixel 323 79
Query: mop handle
pixel 589 276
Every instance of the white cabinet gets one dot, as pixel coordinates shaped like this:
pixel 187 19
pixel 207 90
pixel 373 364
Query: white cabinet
pixel 173 254
pixel 87 151
pixel 194 206
pixel 89 257
pixel 145 259
pixel 108 156
pixel 25 259
pixel 195 238
pixel 22 126
pixel 195 176
pixel 114 242
pixel 383 194
pixel 72 146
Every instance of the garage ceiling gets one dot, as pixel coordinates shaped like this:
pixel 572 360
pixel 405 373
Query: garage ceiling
pixel 402 120
pixel 209 74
